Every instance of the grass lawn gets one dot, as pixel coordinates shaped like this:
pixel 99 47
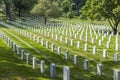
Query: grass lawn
pixel 17 69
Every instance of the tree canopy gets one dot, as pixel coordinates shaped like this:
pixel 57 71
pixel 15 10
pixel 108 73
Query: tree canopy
pixel 47 9
pixel 96 9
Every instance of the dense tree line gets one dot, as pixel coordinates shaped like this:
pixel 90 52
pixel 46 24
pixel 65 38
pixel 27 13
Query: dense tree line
pixel 70 7
pixel 86 9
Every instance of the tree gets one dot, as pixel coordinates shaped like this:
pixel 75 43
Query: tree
pixel 47 9
pixel 66 5
pixel 77 5
pixel 8 8
pixel 109 9
pixel 23 5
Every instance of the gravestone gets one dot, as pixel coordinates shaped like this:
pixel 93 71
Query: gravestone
pixel 71 42
pixel 22 54
pixel 47 44
pixel 14 47
pixel 52 70
pixel 75 59
pixel 52 47
pixel 42 65
pixel 59 50
pixel 18 50
pixel 104 53
pixel 116 57
pixel 99 69
pixel 34 62
pixel 116 74
pixel 93 41
pixel 86 47
pixel 100 42
pixel 117 47
pixel 78 44
pixel 108 45
pixel 27 58
pixel 94 49
pixel 42 42
pixel 66 73
pixel 66 40
pixel 66 55
pixel 86 64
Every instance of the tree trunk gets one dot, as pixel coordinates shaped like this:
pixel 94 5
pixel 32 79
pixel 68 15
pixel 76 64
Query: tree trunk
pixel 115 29
pixel 45 20
pixel 114 25
pixel 9 12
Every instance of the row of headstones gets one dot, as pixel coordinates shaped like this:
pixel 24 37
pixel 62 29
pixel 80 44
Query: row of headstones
pixel 108 43
pixel 66 42
pixel 17 49
pixel 78 45
pixel 66 70
pixel 86 39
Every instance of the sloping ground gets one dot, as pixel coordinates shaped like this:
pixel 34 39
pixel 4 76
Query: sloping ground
pixel 11 66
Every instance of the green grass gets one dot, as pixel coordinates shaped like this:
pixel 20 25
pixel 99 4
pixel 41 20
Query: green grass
pixel 77 72
pixel 12 67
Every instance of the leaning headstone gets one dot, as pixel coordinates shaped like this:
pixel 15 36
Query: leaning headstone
pixel 34 62
pixel 75 59
pixel 52 70
pixel 116 57
pixel 104 53
pixel 66 73
pixel 99 69
pixel 116 74
pixel 42 65
pixel 86 64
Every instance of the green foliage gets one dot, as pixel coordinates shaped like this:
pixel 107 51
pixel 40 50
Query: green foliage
pixel 45 8
pixel 66 5
pixel 70 14
pixel 96 9
pixel 23 5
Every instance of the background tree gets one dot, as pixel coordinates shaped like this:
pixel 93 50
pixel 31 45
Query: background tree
pixel 23 5
pixel 47 9
pixel 110 10
pixel 9 9
pixel 77 5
